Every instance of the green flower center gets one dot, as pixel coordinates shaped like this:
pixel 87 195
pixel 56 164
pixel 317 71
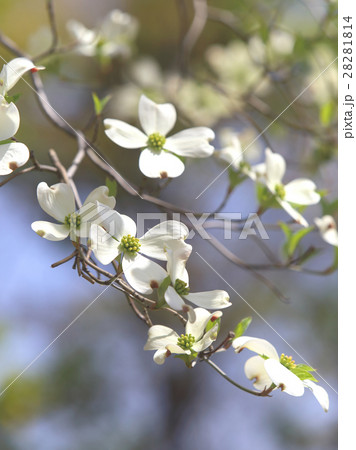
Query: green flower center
pixel 156 141
pixel 130 245
pixel 280 191
pixel 181 287
pixel 73 220
pixel 186 341
pixel 287 362
pixel 244 165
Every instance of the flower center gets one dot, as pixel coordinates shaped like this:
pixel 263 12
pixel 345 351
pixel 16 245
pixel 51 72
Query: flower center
pixel 73 220
pixel 287 362
pixel 156 141
pixel 181 287
pixel 280 191
pixel 186 341
pixel 130 245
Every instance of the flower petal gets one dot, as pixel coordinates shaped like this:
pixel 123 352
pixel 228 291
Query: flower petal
pixel 160 165
pixel 255 369
pixel 320 394
pixel 143 274
pixel 13 71
pixel 57 200
pixel 12 156
pixel 327 228
pixel 257 345
pixel 50 231
pixel 207 339
pixel 159 336
pixel 117 225
pixel 284 378
pixel 177 254
pixel 202 317
pixel 9 119
pixel 275 168
pixel 101 194
pixel 232 154
pixel 292 212
pixel 173 299
pixel 156 118
pixel 154 242
pixel 160 356
pixel 123 134
pixel 210 299
pixel 302 192
pixel 193 142
pixel 105 247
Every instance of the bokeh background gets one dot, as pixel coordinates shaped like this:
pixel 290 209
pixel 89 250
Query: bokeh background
pixel 95 387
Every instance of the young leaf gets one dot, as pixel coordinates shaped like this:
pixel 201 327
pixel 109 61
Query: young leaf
pixel 242 326
pixel 112 186
pixel 99 104
pixel 161 291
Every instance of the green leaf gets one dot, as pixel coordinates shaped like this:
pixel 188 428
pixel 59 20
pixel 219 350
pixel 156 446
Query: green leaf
pixel 99 104
pixel 305 367
pixel 242 326
pixel 327 112
pixel 188 359
pixel 112 186
pixel 161 291
pixel 303 372
pixel 12 98
pixel 329 208
pixel 293 239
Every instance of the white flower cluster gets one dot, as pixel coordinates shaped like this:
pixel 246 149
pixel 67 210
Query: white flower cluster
pixel 12 154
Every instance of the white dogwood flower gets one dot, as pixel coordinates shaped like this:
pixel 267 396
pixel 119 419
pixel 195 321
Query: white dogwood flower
pixel 159 157
pixel 271 371
pixel 327 228
pixel 13 154
pixel 111 38
pixel 116 235
pixel 300 191
pixel 196 339
pixel 58 202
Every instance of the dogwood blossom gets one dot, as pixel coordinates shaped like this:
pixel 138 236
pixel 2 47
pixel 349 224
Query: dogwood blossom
pixel 58 202
pixel 196 339
pixel 327 228
pixel 159 157
pixel 112 37
pixel 14 154
pixel 116 235
pixel 271 371
pixel 300 191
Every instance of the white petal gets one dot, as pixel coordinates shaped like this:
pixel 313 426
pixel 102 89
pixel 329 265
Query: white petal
pixel 202 317
pixel 327 228
pixel 50 231
pixel 275 167
pixel 118 225
pixel 80 33
pixel 160 356
pixel 156 118
pixel 177 254
pixel 284 378
pixel 124 134
pixel 143 274
pixel 210 299
pixel 12 156
pixel 105 248
pixel 232 154
pixel 101 194
pixel 193 142
pixel 302 192
pixel 154 242
pixel 255 369
pixel 160 165
pixel 257 345
pixel 9 119
pixel 14 70
pixel 173 299
pixel 159 336
pixel 292 212
pixel 174 348
pixel 320 394
pixel 206 340
pixel 57 200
